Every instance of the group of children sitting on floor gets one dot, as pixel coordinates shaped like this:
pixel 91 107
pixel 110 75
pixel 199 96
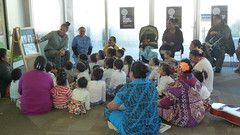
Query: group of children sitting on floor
pixel 80 86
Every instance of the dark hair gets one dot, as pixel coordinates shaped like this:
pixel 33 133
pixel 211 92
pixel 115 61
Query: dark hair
pixel 197 43
pixel 111 52
pixel 139 70
pixel 16 74
pixel 166 68
pixel 197 53
pixel 113 38
pixel 3 53
pixel 83 57
pixel 97 74
pixel 118 63
pixel 217 16
pixel 82 82
pixel 61 77
pixel 69 65
pixel 200 75
pixel 40 63
pixel 101 54
pixel 81 67
pixel 109 62
pixel 81 28
pixel 121 51
pixel 156 61
pixel 129 60
pixel 93 57
pixel 48 67
pixel 96 66
pixel 189 64
pixel 173 20
pixel 169 53
pixel 66 25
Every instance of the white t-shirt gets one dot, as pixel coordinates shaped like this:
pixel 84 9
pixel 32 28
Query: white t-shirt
pixel 91 65
pixel 204 92
pixel 83 95
pixel 97 91
pixel 118 77
pixel 126 69
pixel 100 63
pixel 163 82
pixel 204 64
pixel 107 74
pixel 14 90
pixel 84 74
pixel 154 75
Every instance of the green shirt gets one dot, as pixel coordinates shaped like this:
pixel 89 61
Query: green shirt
pixel 55 42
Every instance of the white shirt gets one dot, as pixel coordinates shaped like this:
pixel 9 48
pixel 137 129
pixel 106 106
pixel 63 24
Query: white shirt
pixel 14 90
pixel 204 64
pixel 126 69
pixel 107 74
pixel 84 74
pixel 163 83
pixel 91 65
pixel 204 92
pixel 100 63
pixel 154 74
pixel 118 77
pixel 97 91
pixel 53 78
pixel 83 95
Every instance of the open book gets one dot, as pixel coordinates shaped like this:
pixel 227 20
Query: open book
pixel 164 127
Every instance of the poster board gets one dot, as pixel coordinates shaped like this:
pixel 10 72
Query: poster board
pixel 175 13
pixel 25 47
pixel 221 10
pixel 127 18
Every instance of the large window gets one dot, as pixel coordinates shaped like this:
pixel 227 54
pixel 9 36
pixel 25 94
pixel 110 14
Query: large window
pixel 91 15
pixel 47 15
pixel 128 38
pixel 187 20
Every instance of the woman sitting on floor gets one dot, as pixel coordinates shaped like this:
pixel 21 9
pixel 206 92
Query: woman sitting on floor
pixel 138 101
pixel 182 104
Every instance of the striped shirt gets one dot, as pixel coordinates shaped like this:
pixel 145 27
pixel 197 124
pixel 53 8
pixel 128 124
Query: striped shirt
pixel 61 95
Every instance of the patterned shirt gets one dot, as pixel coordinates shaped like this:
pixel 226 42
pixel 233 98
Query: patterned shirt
pixel 61 95
pixel 82 44
pixel 141 113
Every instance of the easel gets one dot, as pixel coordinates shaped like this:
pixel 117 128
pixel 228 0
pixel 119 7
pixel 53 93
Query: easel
pixel 24 47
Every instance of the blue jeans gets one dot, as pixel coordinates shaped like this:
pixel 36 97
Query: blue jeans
pixel 219 54
pixel 59 61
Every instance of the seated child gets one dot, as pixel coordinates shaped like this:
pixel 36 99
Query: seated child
pixel 108 71
pixel 15 75
pixel 170 60
pixel 118 77
pixel 97 87
pixel 120 53
pixel 201 76
pixel 49 68
pixel 164 79
pixel 84 59
pixel 100 58
pixel 93 62
pixel 71 73
pixel 83 72
pixel 80 101
pixel 153 64
pixel 128 60
pixel 111 53
pixel 61 93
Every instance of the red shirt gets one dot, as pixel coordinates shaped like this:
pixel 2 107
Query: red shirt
pixel 61 95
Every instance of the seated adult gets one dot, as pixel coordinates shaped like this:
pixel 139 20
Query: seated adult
pixel 202 64
pixel 134 108
pixel 56 48
pixel 111 43
pixel 5 72
pixel 34 88
pixel 182 104
pixel 172 38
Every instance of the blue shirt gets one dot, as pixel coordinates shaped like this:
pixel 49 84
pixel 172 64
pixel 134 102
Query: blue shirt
pixel 82 44
pixel 141 114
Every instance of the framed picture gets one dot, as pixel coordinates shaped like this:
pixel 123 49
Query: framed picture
pixel 127 18
pixel 175 13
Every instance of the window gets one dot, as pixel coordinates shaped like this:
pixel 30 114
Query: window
pixel 46 15
pixel 91 15
pixel 128 38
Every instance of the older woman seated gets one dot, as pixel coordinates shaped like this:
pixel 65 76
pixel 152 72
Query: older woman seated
pixel 139 98
pixel 182 104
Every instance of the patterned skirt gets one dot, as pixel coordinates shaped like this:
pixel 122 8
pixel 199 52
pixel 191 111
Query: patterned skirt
pixel 77 107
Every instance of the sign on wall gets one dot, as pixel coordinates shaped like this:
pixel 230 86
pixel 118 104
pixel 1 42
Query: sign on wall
pixel 175 13
pixel 127 18
pixel 220 10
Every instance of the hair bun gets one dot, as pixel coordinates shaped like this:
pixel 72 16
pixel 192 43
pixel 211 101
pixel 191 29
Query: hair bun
pixel 68 23
pixel 124 49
